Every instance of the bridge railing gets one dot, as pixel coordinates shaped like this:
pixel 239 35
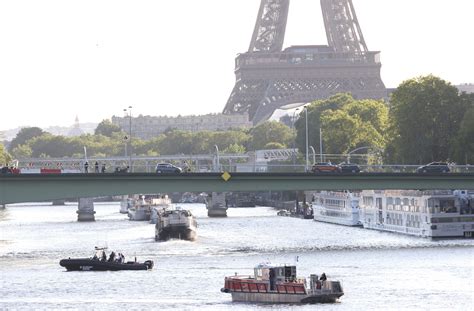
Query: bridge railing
pixel 205 163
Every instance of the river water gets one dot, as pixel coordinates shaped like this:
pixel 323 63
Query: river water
pixel 379 271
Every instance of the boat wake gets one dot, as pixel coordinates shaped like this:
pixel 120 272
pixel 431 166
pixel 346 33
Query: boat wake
pixel 333 248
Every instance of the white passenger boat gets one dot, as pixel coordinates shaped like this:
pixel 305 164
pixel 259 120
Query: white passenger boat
pixel 435 214
pixel 336 207
pixel 143 207
pixel 175 223
pixel 159 205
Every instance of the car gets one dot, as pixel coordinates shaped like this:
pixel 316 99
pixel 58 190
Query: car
pixel 167 168
pixel 325 167
pixel 434 167
pixel 349 167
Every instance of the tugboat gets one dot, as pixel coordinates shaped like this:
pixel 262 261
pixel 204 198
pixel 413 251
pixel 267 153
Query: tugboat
pixel 99 262
pixel 175 223
pixel 279 284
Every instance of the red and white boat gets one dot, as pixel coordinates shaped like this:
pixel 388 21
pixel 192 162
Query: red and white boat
pixel 279 284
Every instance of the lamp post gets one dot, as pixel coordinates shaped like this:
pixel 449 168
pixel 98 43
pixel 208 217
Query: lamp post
pixel 320 143
pixel 294 153
pixel 217 158
pixel 306 125
pixel 129 109
pixel 314 154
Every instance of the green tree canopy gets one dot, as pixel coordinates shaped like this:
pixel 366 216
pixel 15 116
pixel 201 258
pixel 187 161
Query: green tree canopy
pixel 24 135
pixel 345 123
pixel 463 151
pixel 270 132
pixel 425 115
pixel 107 128
pixel 4 156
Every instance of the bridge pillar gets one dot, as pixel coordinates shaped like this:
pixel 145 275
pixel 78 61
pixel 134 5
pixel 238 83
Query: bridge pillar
pixel 58 202
pixel 216 205
pixel 85 209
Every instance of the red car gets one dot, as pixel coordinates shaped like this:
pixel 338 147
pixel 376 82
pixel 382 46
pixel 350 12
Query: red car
pixel 325 167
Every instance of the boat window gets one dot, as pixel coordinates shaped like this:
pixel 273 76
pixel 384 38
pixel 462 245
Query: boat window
pixel 398 201
pixel 447 206
pixel 406 201
pixel 389 200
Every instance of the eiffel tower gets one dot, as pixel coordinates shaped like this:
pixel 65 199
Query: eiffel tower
pixel 268 77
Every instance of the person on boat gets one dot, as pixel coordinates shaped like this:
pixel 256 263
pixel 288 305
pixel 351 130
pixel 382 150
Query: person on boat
pixel 103 168
pixel 323 277
pixel 112 256
pixel 272 276
pixel 5 169
pixel 96 167
pixel 86 167
pixel 104 256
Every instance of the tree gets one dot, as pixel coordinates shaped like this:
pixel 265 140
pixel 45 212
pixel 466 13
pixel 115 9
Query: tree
pixel 425 116
pixel 24 135
pixel 340 131
pixel 346 124
pixel 107 128
pixel 274 145
pixel 270 132
pixel 463 151
pixel 22 151
pixel 234 148
pixel 4 156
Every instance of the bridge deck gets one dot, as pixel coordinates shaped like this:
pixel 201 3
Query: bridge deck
pixel 42 187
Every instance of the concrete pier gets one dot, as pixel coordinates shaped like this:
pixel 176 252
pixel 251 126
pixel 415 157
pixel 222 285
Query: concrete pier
pixel 216 206
pixel 58 202
pixel 85 209
pixel 2 206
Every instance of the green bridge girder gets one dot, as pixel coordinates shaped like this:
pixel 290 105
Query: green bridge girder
pixel 42 187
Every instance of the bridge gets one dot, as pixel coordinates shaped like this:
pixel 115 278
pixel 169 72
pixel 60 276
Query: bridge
pixel 43 187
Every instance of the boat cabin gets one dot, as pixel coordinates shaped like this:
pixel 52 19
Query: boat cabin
pixel 276 273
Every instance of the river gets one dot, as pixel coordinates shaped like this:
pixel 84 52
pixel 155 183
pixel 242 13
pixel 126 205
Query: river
pixel 379 271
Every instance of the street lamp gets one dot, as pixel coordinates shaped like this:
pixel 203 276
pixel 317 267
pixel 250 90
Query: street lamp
pixel 294 153
pixel 306 125
pixel 320 143
pixel 217 158
pixel 314 154
pixel 129 136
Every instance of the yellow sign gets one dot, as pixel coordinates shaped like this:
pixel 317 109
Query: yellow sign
pixel 226 176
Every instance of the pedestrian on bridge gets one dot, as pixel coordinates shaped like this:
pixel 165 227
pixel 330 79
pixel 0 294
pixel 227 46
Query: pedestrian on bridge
pixel 86 167
pixel 96 167
pixel 103 168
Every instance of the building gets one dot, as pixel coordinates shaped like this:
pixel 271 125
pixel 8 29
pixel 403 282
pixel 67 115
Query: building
pixel 467 87
pixel 147 127
pixel 76 129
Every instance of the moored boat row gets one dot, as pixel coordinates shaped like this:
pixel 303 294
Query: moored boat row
pixel 433 214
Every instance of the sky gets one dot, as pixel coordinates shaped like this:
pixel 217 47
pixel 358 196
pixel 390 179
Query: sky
pixel 92 58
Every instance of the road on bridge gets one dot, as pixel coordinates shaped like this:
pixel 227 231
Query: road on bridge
pixel 43 187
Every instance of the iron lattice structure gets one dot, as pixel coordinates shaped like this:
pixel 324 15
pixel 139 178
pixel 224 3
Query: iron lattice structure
pixel 268 77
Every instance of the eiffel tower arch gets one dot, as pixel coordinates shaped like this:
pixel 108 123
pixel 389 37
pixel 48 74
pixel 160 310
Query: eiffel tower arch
pixel 269 77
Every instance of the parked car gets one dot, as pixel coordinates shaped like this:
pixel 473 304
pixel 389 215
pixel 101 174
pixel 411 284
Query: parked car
pixel 349 167
pixel 325 167
pixel 167 168
pixel 434 167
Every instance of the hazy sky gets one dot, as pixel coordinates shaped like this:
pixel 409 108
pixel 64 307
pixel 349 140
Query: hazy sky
pixel 92 58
